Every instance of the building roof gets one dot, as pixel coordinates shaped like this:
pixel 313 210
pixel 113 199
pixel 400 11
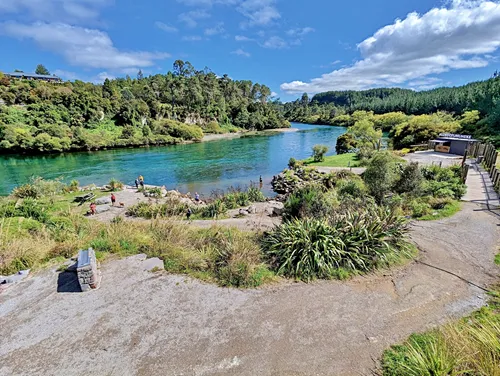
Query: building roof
pixel 447 139
pixel 32 75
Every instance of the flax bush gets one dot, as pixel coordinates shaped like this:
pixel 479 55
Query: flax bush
pixel 357 241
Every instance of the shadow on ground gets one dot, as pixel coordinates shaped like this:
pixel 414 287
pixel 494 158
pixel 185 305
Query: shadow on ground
pixel 68 282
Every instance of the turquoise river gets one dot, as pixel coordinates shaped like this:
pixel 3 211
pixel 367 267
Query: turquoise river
pixel 201 167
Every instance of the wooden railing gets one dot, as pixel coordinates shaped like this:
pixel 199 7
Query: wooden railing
pixel 487 154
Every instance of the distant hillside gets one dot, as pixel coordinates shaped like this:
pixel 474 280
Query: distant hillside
pixel 483 96
pixel 38 116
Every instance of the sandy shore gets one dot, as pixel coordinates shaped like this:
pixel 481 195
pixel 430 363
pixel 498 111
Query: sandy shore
pixel 214 137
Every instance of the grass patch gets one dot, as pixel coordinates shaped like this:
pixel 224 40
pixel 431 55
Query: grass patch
pixel 448 211
pixel 497 259
pixel 341 160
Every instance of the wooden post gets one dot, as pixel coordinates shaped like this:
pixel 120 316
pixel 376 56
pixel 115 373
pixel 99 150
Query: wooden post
pixel 465 172
pixel 464 158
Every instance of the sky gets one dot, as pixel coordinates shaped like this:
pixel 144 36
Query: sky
pixel 292 46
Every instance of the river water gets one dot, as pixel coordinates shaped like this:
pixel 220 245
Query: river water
pixel 200 167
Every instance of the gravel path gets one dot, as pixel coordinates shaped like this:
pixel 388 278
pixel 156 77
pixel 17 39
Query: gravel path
pixel 139 323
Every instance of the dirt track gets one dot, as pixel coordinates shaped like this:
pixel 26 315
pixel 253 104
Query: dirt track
pixel 140 323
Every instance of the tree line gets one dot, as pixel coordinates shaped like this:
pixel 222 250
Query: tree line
pixel 333 106
pixel 37 116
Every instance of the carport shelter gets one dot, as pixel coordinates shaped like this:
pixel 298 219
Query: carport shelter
pixel 452 143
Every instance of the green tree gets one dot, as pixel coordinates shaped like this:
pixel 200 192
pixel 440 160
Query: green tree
pixel 367 138
pixel 380 175
pixel 40 69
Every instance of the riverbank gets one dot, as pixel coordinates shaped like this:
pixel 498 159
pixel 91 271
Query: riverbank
pixel 228 136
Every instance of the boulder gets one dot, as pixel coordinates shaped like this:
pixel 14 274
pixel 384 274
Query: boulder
pixel 15 278
pixel 103 201
pixel 244 212
pixel 278 211
pixel 102 208
pixel 252 209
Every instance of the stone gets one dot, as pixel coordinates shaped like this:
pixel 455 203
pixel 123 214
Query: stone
pixel 278 211
pixel 102 208
pixel 103 201
pixel 139 257
pixel 153 263
pixel 252 209
pixel 243 212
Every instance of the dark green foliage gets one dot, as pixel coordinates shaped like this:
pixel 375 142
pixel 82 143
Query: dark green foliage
pixel 345 144
pixel 40 69
pixel 410 180
pixel 357 241
pixel 156 110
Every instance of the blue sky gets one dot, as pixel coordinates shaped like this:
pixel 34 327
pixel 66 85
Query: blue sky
pixel 292 46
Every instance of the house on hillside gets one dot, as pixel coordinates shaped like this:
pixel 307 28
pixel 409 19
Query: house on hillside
pixel 33 76
pixel 452 143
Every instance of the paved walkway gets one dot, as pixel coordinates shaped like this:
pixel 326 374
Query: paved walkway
pixel 480 188
pixel 327 170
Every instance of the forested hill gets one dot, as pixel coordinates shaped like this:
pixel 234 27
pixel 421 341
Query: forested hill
pixel 37 116
pixel 331 107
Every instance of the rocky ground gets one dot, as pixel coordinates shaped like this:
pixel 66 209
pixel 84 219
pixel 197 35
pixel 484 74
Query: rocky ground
pixel 143 323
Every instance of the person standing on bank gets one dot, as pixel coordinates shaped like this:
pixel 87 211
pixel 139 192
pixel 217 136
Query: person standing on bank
pixel 141 181
pixel 113 199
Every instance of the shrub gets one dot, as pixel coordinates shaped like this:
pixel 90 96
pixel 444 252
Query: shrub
pixel 73 186
pixel 410 180
pixel 255 194
pixel 351 187
pixel 213 127
pixel 355 241
pixel 308 201
pixel 39 187
pixel 319 152
pixel 115 185
pixel 214 210
pixel 380 175
pixel 346 144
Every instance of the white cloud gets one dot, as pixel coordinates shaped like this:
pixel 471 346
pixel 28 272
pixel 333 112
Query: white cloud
pixel 274 94
pixel 192 38
pixel 275 43
pixel 191 18
pixel 440 40
pixel 70 76
pixel 242 38
pixel 74 11
pixel 217 29
pixel 165 27
pixel 80 46
pixel 241 52
pixel 103 76
pixel 259 12
pixel 300 32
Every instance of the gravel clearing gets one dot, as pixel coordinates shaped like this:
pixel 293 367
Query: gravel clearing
pixel 143 323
